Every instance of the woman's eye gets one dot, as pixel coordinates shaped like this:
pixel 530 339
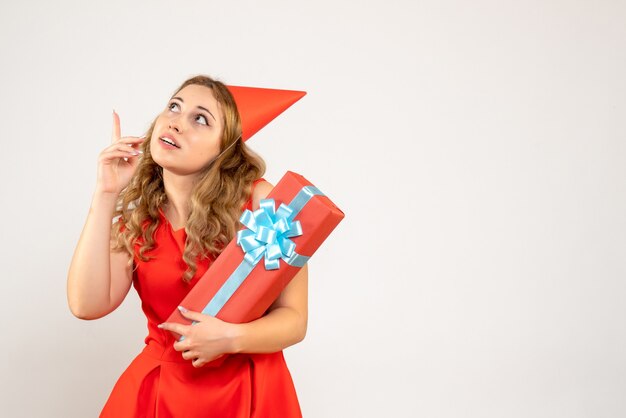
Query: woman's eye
pixel 206 122
pixel 172 104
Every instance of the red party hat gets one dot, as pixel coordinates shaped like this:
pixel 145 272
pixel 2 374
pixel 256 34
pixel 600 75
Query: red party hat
pixel 259 106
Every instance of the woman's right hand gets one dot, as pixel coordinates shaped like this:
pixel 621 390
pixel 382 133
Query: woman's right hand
pixel 114 173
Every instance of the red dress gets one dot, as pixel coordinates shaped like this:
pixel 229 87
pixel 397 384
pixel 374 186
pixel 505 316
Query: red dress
pixel 160 383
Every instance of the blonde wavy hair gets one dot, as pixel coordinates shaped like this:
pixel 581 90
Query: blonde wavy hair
pixel 217 198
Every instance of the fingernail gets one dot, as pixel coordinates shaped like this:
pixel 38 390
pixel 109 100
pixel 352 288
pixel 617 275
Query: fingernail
pixel 183 310
pixel 160 326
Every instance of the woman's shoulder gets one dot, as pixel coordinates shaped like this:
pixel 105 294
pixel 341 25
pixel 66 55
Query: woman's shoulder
pixel 261 188
pixel 144 224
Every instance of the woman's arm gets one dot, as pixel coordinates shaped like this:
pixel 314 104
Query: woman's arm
pixel 98 279
pixel 283 326
pixel 210 337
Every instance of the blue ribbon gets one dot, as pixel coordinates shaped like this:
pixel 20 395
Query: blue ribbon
pixel 267 236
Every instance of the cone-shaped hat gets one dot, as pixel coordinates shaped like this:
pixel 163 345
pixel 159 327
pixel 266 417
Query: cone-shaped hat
pixel 259 106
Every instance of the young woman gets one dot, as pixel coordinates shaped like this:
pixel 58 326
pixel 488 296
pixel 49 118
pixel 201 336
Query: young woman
pixel 179 192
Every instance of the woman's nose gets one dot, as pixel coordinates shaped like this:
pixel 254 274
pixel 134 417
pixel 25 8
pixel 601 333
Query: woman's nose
pixel 175 123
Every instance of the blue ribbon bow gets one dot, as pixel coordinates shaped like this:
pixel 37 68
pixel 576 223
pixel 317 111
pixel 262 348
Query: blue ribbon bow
pixel 267 234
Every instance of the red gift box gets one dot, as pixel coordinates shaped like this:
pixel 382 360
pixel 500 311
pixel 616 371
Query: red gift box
pixel 251 272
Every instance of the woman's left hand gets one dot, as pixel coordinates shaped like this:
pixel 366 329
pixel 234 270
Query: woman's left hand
pixel 208 339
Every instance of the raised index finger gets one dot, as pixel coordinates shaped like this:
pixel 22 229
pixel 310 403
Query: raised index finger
pixel 116 128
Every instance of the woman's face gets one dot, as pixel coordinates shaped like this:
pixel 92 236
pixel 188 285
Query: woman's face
pixel 192 120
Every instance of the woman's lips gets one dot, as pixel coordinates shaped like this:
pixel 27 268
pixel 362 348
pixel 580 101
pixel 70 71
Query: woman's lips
pixel 167 145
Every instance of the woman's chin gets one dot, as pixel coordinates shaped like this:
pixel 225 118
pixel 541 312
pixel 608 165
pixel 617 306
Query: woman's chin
pixel 173 168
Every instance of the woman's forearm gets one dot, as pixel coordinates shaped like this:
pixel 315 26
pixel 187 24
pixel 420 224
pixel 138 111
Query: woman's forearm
pixel 89 277
pixel 279 329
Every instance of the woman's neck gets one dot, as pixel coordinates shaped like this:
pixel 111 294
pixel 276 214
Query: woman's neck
pixel 178 191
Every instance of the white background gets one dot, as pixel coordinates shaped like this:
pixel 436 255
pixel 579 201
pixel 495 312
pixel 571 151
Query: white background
pixel 476 148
